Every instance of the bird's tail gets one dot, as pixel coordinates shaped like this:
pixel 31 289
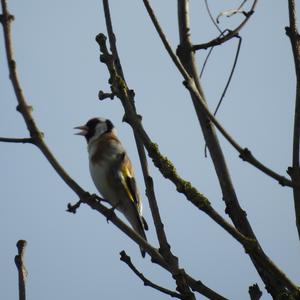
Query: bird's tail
pixel 139 225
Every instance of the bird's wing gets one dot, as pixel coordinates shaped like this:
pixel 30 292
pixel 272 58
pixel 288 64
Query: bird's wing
pixel 129 184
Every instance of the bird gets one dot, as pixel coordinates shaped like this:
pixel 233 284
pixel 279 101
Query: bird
pixel 112 172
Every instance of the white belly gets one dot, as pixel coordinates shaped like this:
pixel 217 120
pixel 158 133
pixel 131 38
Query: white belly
pixel 99 176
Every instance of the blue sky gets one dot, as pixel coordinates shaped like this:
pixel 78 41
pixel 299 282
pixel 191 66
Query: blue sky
pixel 77 256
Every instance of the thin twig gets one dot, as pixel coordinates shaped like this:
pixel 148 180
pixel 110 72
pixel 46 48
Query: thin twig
pixel 212 19
pixel 208 55
pixel 127 260
pixel 17 140
pixel 165 42
pixel 294 171
pixel 231 74
pixel 22 272
pixel 206 61
pixel 220 40
pixel 228 80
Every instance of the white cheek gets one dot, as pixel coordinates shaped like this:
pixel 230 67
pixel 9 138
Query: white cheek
pixel 100 129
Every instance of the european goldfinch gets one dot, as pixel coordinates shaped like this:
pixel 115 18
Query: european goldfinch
pixel 112 171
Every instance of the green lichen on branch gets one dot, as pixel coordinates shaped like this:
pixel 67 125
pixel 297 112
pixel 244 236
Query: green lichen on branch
pixel 169 171
pixel 120 87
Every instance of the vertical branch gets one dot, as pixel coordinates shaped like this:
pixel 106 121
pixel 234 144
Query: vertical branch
pixel 294 171
pixel 162 238
pixel 187 58
pixel 274 285
pixel 22 273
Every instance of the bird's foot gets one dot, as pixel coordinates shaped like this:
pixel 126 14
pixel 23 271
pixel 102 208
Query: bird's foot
pixel 111 212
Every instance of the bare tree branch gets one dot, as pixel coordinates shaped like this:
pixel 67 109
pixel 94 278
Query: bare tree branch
pixel 17 140
pixel 165 42
pixel 294 171
pixel 22 272
pixel 127 260
pixel 212 19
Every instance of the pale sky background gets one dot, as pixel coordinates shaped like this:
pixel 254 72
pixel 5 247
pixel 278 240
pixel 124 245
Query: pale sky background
pixel 77 256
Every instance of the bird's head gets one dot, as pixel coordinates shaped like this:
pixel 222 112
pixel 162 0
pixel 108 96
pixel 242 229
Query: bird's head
pixel 95 128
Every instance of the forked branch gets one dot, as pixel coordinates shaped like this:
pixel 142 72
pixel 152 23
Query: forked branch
pixel 127 260
pixel 231 34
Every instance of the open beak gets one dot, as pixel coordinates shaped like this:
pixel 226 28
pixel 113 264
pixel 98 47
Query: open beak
pixel 83 130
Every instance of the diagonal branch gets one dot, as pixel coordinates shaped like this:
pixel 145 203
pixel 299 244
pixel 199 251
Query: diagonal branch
pixel 294 171
pixel 165 41
pixel 127 260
